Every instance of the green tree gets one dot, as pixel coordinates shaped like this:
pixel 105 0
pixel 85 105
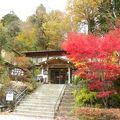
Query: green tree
pixel 8 18
pixel 12 26
pixel 50 28
pixel 38 19
pixel 109 14
pixel 3 38
pixel 84 11
pixel 99 15
pixel 26 39
pixel 56 27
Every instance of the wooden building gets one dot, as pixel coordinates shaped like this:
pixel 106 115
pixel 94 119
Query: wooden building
pixel 54 66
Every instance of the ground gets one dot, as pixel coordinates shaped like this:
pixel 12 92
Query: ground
pixel 15 117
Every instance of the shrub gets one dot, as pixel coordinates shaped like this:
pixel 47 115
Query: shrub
pixel 76 80
pixel 97 114
pixel 17 86
pixel 115 101
pixel 2 91
pixel 31 85
pixel 84 97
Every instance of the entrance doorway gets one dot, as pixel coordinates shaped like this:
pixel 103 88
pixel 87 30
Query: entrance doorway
pixel 58 75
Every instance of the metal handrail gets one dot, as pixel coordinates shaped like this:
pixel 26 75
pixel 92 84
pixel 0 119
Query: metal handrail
pixel 57 103
pixel 20 97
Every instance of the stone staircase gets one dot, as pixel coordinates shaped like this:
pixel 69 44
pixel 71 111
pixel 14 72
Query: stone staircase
pixel 67 104
pixel 42 102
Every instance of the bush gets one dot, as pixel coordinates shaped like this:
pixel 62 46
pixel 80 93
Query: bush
pixel 5 80
pixel 97 114
pixel 115 101
pixel 31 85
pixel 2 91
pixel 17 86
pixel 84 97
pixel 76 80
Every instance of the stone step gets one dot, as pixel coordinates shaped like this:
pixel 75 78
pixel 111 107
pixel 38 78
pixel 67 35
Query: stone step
pixel 66 108
pixel 42 102
pixel 65 113
pixel 68 93
pixel 42 98
pixel 38 105
pixel 40 116
pixel 39 111
pixel 68 88
pixel 48 91
pixel 67 104
pixel 35 112
pixel 68 97
pixel 38 102
pixel 35 108
pixel 64 100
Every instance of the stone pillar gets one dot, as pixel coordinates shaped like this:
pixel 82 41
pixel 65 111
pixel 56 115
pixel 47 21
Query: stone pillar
pixel 69 75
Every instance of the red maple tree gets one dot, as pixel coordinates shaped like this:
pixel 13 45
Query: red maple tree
pixel 97 60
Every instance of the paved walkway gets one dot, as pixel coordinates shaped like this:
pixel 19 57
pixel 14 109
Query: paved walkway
pixel 16 117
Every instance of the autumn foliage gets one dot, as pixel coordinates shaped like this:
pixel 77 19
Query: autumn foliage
pixel 97 59
pixel 23 62
pixel 97 113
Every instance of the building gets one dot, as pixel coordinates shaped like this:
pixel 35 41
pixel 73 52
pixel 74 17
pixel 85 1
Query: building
pixel 53 65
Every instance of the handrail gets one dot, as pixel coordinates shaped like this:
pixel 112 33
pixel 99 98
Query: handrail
pixel 20 97
pixel 57 103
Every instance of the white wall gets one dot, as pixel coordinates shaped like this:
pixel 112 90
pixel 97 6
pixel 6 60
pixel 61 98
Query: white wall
pixel 37 60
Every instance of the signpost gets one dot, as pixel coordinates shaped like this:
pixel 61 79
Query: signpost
pixel 10 99
pixel 17 72
pixel 9 96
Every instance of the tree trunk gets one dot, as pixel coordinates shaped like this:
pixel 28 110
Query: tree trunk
pixel 0 54
pixel 113 8
pixel 91 26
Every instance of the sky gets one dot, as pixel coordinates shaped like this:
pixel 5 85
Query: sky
pixel 25 8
